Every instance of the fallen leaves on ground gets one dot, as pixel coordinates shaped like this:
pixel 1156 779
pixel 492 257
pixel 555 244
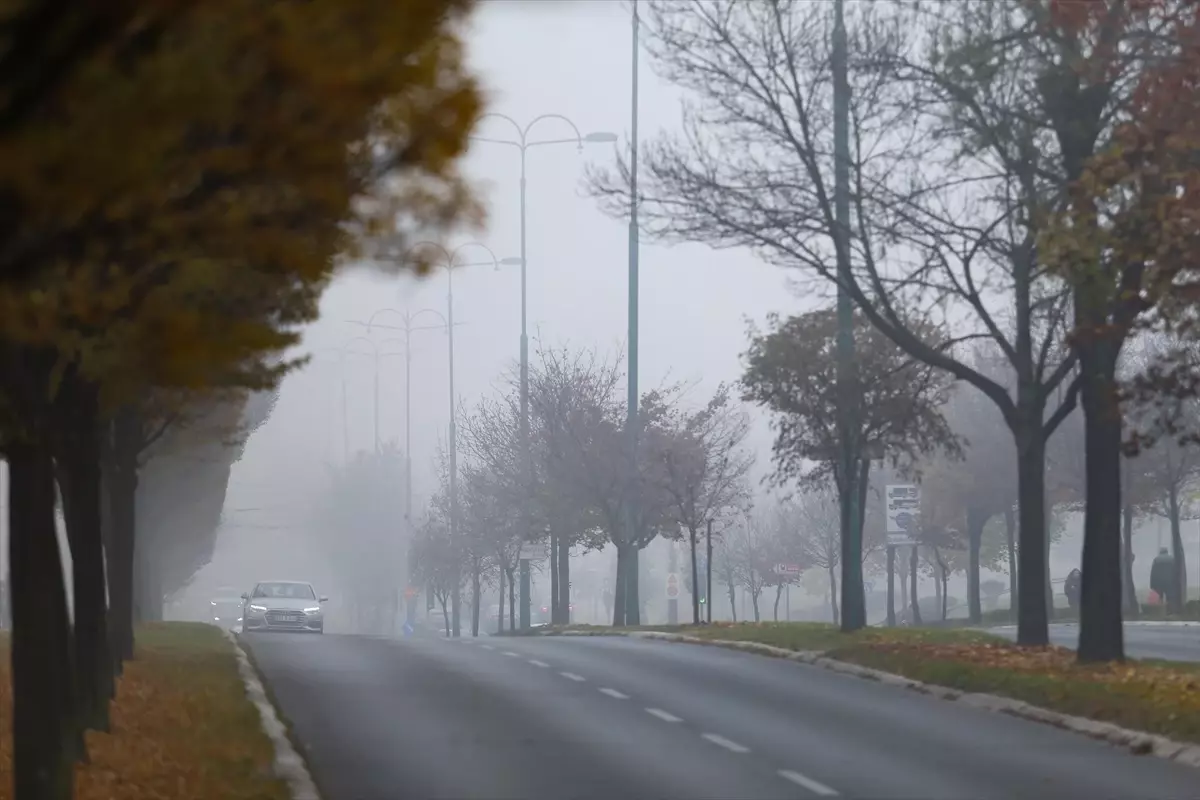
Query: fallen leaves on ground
pixel 181 726
pixel 1158 697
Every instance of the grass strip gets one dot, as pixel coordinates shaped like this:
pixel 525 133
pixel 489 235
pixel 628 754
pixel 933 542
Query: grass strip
pixel 182 726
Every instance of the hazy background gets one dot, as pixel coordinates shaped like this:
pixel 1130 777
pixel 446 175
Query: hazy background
pixel 571 58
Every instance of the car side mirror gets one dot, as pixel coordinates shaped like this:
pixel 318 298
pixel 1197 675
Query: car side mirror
pixel 245 596
pixel 324 599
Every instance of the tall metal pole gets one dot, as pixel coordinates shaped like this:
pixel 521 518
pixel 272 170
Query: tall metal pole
pixel 526 453
pixel 853 601
pixel 456 604
pixel 376 412
pixel 345 417
pixel 630 581
pixel 410 601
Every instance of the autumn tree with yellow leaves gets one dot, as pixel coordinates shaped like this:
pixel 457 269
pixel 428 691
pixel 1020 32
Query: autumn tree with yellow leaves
pixel 174 211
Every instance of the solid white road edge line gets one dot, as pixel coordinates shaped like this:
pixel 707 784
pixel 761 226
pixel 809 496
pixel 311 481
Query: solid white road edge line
pixel 728 744
pixel 572 676
pixel 815 787
pixel 663 715
pixel 614 693
pixel 1138 742
pixel 288 764
pixel 537 663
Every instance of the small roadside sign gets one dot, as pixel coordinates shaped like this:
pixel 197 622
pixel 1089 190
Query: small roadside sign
pixel 903 514
pixel 534 551
pixel 672 585
pixel 787 569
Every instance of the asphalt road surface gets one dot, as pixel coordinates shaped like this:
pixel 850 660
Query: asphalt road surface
pixel 1171 642
pixel 549 718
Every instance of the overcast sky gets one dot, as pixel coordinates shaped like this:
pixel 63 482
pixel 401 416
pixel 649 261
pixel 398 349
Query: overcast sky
pixel 571 58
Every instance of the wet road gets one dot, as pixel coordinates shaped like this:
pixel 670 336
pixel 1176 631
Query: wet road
pixel 1142 640
pixel 600 717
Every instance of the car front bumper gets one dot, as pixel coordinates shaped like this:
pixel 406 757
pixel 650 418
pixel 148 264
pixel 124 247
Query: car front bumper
pixel 278 621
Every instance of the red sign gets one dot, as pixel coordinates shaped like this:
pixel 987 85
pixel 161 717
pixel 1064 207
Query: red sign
pixel 411 592
pixel 672 585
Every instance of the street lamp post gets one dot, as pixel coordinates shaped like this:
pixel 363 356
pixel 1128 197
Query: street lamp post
pixel 853 601
pixel 451 263
pixel 522 144
pixel 631 422
pixel 408 328
pixel 376 356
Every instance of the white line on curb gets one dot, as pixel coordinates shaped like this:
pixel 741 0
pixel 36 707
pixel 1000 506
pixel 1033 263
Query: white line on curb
pixel 808 783
pixel 572 676
pixel 288 765
pixel 728 744
pixel 537 663
pixel 614 693
pixel 663 715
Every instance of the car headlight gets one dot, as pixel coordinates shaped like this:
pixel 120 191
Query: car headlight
pixel 258 608
pixel 315 610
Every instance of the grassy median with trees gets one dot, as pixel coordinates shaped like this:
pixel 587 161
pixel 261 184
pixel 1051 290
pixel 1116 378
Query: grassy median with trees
pixel 181 725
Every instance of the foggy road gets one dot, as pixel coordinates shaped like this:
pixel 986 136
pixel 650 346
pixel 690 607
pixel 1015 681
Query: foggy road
pixel 1170 642
pixel 598 717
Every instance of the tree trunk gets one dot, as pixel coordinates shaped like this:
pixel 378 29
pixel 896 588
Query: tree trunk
pixel 854 601
pixel 618 605
pixel 1032 573
pixel 915 600
pixel 1128 587
pixel 44 726
pixel 476 596
pixel 833 595
pixel 891 587
pixel 122 493
pixel 555 617
pixel 512 599
pixel 732 599
pixel 80 484
pixel 693 539
pixel 778 595
pixel 500 605
pixel 976 521
pixel 1010 541
pixel 1179 597
pixel 1101 633
pixel 754 602
pixel 564 579
pixel 937 582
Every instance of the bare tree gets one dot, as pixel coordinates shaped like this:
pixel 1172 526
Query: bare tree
pixel 705 468
pixel 948 176
pixel 817 517
pixel 575 394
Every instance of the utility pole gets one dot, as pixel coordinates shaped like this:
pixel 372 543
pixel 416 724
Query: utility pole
pixel 853 601
pixel 630 574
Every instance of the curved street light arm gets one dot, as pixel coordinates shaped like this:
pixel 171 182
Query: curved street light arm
pixel 516 126
pixel 371 319
pixel 537 119
pixel 346 351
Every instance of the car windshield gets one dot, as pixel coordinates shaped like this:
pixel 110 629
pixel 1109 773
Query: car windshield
pixel 293 591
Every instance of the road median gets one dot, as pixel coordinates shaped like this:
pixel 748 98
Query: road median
pixel 1147 706
pixel 181 726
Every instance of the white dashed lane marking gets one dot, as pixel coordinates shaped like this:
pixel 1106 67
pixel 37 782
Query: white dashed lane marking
pixel 663 715
pixel 728 744
pixel 572 676
pixel 614 693
pixel 487 647
pixel 808 783
pixel 537 663
pixel 511 653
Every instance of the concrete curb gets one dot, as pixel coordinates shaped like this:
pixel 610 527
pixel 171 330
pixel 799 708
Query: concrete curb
pixel 1137 742
pixel 1134 623
pixel 288 765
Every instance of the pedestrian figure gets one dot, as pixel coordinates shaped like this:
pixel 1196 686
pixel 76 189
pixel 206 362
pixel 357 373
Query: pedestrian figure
pixel 1073 587
pixel 1163 577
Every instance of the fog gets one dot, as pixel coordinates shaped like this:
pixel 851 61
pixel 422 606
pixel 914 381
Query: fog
pixel 535 58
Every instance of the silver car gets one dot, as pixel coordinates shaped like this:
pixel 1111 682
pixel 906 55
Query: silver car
pixel 283 606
